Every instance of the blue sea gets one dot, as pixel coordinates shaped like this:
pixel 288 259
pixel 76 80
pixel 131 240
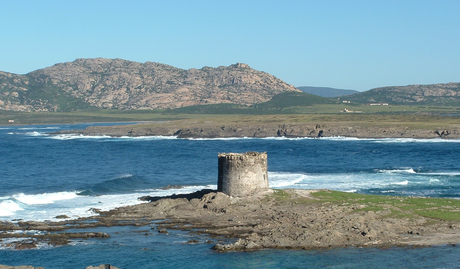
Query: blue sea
pixel 43 176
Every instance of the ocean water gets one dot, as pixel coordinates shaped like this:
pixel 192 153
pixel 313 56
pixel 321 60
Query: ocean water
pixel 43 176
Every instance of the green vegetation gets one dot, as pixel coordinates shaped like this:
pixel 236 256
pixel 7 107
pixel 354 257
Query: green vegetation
pixel 217 109
pixel 288 107
pixel 443 94
pixel 89 115
pixel 411 121
pixel 280 195
pixel 293 99
pixel 295 106
pixel 402 207
pixel 304 103
pixel 51 97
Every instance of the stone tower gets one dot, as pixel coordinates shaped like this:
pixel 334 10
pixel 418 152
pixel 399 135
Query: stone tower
pixel 242 174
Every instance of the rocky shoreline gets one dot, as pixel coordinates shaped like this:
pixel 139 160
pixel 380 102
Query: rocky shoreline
pixel 191 129
pixel 287 219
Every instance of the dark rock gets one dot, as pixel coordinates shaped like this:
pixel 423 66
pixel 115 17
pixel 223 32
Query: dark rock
pixel 23 245
pixel 102 266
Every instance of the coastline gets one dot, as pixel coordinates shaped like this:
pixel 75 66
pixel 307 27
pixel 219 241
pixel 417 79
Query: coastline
pixel 300 221
pixel 191 129
pixel 277 219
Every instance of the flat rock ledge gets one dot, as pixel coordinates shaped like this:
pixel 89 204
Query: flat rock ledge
pixel 296 221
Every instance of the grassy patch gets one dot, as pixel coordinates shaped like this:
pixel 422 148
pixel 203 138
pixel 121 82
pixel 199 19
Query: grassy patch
pixel 401 207
pixel 105 115
pixel 281 195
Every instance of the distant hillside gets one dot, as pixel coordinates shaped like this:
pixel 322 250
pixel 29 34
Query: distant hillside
pixel 290 99
pixel 279 104
pixel 325 91
pixel 121 84
pixel 435 94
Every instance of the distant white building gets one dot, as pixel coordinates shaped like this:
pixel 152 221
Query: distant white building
pixel 378 104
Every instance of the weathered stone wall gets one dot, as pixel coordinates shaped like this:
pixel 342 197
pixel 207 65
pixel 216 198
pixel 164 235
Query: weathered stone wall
pixel 242 174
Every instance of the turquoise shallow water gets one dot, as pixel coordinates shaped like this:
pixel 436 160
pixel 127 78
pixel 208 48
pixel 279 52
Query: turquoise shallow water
pixel 43 176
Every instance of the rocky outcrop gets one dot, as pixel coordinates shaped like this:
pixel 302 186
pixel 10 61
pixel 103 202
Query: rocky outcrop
pixel 102 266
pixel 293 219
pixel 121 84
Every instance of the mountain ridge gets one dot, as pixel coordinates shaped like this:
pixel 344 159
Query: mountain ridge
pixel 128 85
pixel 122 84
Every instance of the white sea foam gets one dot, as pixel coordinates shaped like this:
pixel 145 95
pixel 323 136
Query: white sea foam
pixel 76 136
pixel 35 133
pixel 402 170
pixel 405 182
pixel 388 191
pixel 156 137
pixel 287 138
pixel 8 208
pixel 392 140
pixel 348 182
pixel 456 173
pixel 416 140
pixel 108 138
pixel 44 198
pixel 343 138
pixel 279 180
pixel 41 207
pixel 219 138
pixel 5 244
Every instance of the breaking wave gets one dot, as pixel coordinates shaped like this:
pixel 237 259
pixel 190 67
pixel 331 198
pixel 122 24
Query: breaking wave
pixel 402 170
pixel 46 206
pixel 44 198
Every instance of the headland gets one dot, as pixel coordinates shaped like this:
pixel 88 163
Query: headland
pixel 289 126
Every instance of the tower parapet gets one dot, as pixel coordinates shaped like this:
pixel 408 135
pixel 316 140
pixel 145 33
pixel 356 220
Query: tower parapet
pixel 242 174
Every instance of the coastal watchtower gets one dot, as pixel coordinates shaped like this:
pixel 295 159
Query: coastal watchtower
pixel 242 174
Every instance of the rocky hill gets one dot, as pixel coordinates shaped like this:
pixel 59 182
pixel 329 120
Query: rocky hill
pixel 434 94
pixel 326 91
pixel 122 84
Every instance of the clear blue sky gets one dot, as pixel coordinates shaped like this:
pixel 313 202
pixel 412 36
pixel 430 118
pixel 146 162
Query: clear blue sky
pixel 343 44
